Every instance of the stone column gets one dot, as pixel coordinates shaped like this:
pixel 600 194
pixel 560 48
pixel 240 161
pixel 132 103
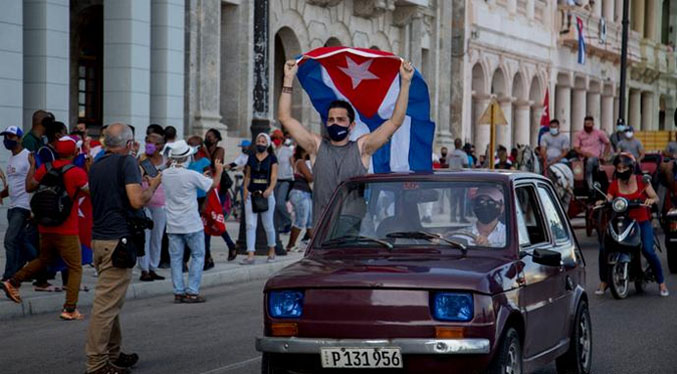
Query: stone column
pixel 504 132
pixel 457 66
pixel 607 121
pixel 634 109
pixel 563 109
pixel 446 74
pixel 482 131
pixel 597 8
pixel 530 9
pixel 166 60
pixel 593 107
pixel 673 23
pixel 126 64
pixel 522 123
pixel 650 22
pixel 204 25
pixel 578 109
pixel 262 116
pixel 512 6
pixel 618 11
pixel 46 30
pixel 609 10
pixel 647 112
pixel 637 16
pixel 11 74
pixel 536 111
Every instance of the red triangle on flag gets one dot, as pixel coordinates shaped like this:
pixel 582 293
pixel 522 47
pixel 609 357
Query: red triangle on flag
pixel 545 115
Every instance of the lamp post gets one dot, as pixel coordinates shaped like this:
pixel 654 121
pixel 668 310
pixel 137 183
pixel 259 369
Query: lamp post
pixel 624 62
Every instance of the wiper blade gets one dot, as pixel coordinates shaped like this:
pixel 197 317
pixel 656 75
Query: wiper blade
pixel 428 236
pixel 348 239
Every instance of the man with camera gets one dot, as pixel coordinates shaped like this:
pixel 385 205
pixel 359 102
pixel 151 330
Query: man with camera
pixel 117 199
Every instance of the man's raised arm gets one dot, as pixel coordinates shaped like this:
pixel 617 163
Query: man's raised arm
pixel 373 141
pixel 306 139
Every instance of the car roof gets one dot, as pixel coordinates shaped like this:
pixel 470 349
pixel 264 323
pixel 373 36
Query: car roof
pixel 478 175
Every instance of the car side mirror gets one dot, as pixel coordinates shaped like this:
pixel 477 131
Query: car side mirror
pixel 547 257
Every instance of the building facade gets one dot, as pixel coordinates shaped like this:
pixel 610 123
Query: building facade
pixel 515 50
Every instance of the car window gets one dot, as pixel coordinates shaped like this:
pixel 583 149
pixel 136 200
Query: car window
pixel 531 216
pixel 522 232
pixel 553 215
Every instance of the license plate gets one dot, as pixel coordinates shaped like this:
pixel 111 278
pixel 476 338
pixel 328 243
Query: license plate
pixel 361 358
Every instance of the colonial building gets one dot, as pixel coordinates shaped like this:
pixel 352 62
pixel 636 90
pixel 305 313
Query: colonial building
pixel 514 50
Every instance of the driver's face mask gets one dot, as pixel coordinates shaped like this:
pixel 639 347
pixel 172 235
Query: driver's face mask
pixel 486 209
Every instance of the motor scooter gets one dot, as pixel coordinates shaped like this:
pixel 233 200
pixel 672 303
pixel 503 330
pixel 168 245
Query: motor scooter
pixel 622 240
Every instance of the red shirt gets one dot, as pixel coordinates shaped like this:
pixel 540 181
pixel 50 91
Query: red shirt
pixel 74 179
pixel 640 214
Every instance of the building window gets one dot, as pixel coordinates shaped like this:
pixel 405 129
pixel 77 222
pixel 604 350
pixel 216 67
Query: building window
pixel 88 91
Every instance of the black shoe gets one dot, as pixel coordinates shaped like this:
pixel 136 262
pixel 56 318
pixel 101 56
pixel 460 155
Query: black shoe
pixel 209 263
pixel 126 360
pixel 193 299
pixel 156 276
pixel 145 277
pixel 178 299
pixel 232 254
pixel 111 369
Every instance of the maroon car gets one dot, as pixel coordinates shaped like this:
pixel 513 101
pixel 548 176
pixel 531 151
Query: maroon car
pixel 447 272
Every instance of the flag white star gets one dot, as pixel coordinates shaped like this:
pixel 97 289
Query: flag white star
pixel 358 72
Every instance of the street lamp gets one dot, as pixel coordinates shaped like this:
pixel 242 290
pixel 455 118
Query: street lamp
pixel 624 62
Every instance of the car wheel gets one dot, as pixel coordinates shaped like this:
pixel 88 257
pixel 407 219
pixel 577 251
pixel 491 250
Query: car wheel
pixel 268 366
pixel 619 279
pixel 578 359
pixel 508 358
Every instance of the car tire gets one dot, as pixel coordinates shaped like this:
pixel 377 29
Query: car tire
pixel 268 366
pixel 578 359
pixel 508 358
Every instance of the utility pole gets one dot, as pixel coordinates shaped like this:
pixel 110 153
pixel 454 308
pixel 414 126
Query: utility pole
pixel 624 62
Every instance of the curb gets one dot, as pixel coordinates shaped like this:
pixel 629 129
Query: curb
pixel 141 290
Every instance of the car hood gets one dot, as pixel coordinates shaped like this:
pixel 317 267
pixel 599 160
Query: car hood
pixel 481 274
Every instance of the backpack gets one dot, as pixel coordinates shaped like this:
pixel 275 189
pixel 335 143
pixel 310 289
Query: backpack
pixel 51 204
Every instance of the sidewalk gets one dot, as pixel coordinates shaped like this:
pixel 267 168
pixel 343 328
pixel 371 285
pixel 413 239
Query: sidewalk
pixel 223 273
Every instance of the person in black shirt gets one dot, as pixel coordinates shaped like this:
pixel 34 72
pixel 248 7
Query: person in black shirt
pixel 259 183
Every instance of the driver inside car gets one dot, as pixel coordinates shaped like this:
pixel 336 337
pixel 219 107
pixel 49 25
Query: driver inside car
pixel 488 207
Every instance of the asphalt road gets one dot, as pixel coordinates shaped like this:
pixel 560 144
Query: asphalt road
pixel 636 335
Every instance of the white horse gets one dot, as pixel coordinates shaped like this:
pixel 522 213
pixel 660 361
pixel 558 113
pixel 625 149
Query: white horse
pixel 527 160
pixel 563 179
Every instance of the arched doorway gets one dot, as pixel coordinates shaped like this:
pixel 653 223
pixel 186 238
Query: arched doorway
pixel 661 113
pixel 536 98
pixel 86 65
pixel 480 100
pixel 286 47
pixel 499 90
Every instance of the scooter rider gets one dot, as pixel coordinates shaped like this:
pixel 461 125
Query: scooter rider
pixel 631 187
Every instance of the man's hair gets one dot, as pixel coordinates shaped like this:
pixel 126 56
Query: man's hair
pixel 458 143
pixel 117 135
pixel 170 133
pixel 444 148
pixel 502 148
pixel 154 128
pixel 345 105
pixel 588 118
pixel 39 117
pixel 554 121
pixel 195 137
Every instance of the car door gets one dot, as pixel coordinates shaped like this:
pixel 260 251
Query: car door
pixel 541 284
pixel 571 274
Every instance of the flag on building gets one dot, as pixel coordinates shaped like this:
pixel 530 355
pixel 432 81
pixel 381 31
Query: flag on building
pixel 545 116
pixel 369 80
pixel 581 41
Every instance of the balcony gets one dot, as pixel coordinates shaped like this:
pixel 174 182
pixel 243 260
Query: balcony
pixel 607 47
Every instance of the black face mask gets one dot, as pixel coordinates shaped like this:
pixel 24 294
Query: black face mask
pixel 444 154
pixel 208 143
pixel 337 132
pixel 486 210
pixel 587 129
pixel 624 175
pixel 261 148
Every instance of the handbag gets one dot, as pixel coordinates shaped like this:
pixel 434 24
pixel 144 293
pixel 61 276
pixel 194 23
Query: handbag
pixel 212 215
pixel 259 203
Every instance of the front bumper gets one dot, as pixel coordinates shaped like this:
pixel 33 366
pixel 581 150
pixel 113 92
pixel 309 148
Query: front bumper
pixel 407 346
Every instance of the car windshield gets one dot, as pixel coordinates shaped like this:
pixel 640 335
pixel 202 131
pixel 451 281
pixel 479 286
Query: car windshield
pixel 395 214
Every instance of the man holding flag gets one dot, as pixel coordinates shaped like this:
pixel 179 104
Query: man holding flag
pixel 339 157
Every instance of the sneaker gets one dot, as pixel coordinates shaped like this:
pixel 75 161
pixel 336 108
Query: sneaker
pixel 270 259
pixel 248 261
pixel 75 315
pixel 126 360
pixel 193 299
pixel 178 299
pixel 145 277
pixel 665 292
pixel 156 276
pixel 110 369
pixel 11 292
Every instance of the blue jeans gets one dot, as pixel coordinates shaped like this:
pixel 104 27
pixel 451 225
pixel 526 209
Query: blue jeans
pixel 303 209
pixel 282 218
pixel 196 242
pixel 18 246
pixel 648 250
pixel 252 221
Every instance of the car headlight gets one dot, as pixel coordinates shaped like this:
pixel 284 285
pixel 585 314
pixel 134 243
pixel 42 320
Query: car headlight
pixel 285 304
pixel 453 306
pixel 619 205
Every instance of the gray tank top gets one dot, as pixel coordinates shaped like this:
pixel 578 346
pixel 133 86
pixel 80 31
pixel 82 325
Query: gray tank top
pixel 333 165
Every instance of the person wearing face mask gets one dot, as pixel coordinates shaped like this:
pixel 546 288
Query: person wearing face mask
pixel 260 178
pixel 18 245
pixel 618 135
pixel 285 179
pixel 444 158
pixel 591 144
pixel 631 187
pixel 155 209
pixel 554 145
pixel 47 153
pixel 241 160
pixel 488 207
pixel 338 157
pixel 630 144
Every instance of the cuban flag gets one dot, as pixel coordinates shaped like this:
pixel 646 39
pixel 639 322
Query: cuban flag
pixel 369 80
pixel 581 41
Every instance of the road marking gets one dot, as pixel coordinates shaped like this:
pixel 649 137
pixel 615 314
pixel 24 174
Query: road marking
pixel 234 366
